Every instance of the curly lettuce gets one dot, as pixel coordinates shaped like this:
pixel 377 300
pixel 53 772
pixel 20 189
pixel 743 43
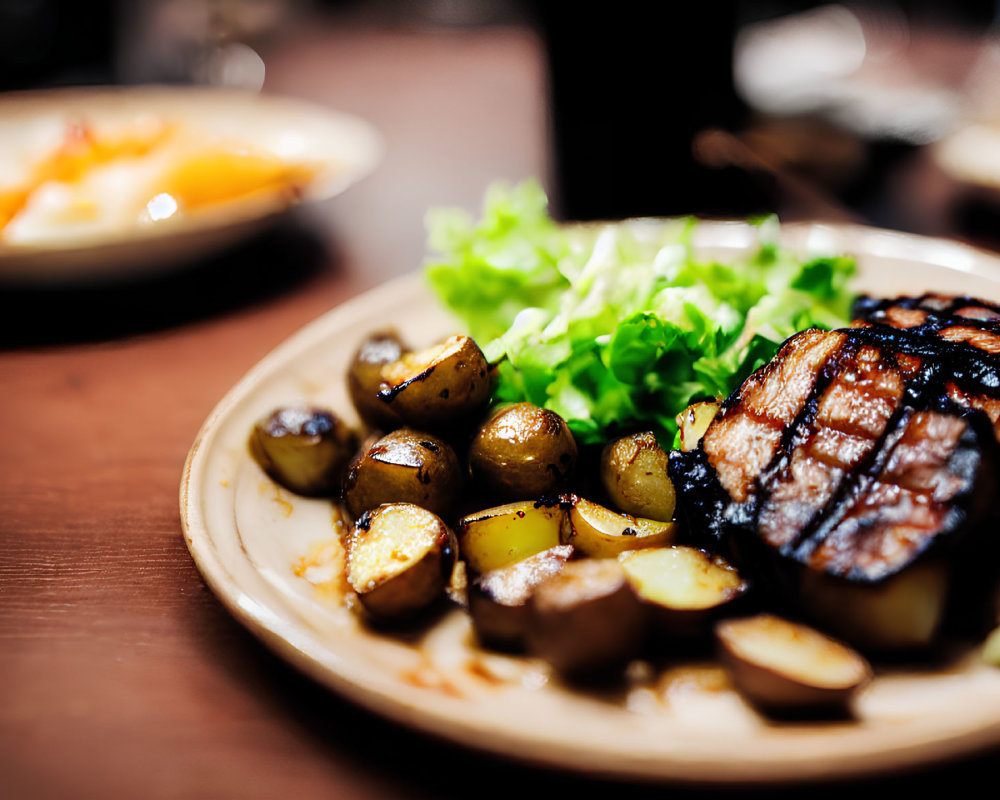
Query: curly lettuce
pixel 619 326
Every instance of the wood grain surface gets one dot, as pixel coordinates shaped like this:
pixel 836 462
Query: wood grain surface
pixel 121 676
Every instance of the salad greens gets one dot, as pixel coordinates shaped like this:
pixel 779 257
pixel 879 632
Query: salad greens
pixel 619 326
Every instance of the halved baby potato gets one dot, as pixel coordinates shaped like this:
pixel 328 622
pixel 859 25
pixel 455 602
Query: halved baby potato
pixel 405 465
pixel 599 532
pixel 399 560
pixel 634 475
pixel 694 420
pixel 440 386
pixel 685 588
pixel 498 600
pixel 365 378
pixel 503 535
pixel 522 450
pixel 787 667
pixel 585 620
pixel 304 449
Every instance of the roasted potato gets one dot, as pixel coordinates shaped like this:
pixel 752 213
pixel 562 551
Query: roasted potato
pixel 304 449
pixel 599 532
pixel 686 589
pixel 634 475
pixel 405 465
pixel 522 451
pixel 785 667
pixel 585 620
pixel 399 560
pixel 365 378
pixel 694 420
pixel 440 387
pixel 498 537
pixel 498 600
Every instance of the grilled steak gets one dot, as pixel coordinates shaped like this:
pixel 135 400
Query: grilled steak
pixel 855 454
pixel 962 334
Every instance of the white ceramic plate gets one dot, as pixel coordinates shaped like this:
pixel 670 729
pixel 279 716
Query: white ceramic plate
pixel 341 147
pixel 272 558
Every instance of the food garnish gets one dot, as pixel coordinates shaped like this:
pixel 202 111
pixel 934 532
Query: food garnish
pixel 618 327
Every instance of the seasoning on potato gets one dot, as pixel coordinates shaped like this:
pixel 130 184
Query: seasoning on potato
pixel 366 378
pixel 634 475
pixel 304 449
pixel 599 532
pixel 399 560
pixel 522 451
pixel 440 387
pixel 405 465
pixel 497 537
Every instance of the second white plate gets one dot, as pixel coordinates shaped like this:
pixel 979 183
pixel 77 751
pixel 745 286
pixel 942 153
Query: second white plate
pixel 339 148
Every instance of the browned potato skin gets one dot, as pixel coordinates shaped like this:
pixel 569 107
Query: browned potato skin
pixel 304 449
pixel 451 389
pixel 498 600
pixel 405 465
pixel 522 451
pixel 634 475
pixel 365 378
pixel 401 596
pixel 585 621
pixel 781 693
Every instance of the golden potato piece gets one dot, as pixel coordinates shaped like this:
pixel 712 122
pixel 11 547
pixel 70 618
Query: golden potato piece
pixel 694 420
pixel 498 600
pixel 405 465
pixel 521 451
pixel 304 449
pixel 399 560
pixel 634 475
pixel 366 378
pixel 685 588
pixel 498 537
pixel 601 533
pixel 439 387
pixel 585 621
pixel 783 666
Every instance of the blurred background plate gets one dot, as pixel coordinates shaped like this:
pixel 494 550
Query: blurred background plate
pixel 102 220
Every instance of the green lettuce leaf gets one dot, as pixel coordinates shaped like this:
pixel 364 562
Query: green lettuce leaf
pixel 618 326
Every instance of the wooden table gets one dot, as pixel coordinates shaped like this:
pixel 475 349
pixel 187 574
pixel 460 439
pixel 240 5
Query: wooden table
pixel 122 676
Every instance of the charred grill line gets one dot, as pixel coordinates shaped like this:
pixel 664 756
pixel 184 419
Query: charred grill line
pixel 799 432
pixel 972 369
pixel 851 488
pixel 868 307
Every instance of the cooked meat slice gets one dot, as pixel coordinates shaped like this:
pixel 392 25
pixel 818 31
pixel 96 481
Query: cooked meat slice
pixel 855 455
pixel 891 515
pixel 747 433
pixel 846 454
pixel 891 310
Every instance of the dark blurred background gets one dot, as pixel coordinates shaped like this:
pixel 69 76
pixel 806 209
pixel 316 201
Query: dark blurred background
pixel 647 111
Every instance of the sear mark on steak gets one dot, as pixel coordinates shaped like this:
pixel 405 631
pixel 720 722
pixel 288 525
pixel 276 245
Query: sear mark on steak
pixel 854 452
